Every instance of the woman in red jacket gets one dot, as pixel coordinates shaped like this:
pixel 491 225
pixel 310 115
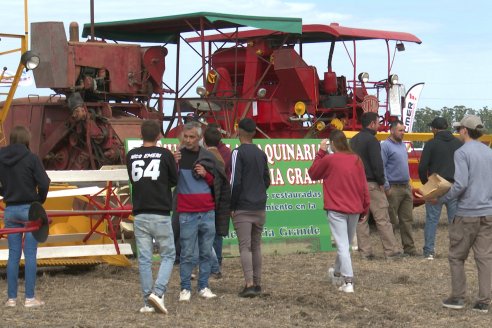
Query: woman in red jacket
pixel 346 199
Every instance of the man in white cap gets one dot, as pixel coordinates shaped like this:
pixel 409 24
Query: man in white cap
pixel 471 228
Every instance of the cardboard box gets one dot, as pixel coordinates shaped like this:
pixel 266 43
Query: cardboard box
pixel 435 187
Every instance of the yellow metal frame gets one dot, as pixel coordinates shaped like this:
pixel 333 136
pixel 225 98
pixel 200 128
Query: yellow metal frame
pixel 415 136
pixel 15 82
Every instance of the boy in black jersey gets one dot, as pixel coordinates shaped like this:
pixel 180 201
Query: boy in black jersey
pixel 152 173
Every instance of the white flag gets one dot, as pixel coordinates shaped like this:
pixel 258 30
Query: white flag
pixel 411 101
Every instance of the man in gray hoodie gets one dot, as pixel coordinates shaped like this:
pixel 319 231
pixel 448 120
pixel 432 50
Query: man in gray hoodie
pixel 471 228
pixel 437 157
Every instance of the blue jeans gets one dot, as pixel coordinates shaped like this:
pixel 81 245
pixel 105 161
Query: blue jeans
pixel 432 215
pixel 150 227
pixel 196 229
pixel 13 214
pixel 343 226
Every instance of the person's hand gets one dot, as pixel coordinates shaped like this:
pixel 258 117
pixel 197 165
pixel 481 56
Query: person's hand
pixel 418 194
pixel 363 218
pixel 200 170
pixel 324 144
pixel 177 155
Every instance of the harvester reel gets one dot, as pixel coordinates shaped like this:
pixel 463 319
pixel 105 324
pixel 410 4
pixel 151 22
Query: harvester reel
pixel 37 212
pixel 59 160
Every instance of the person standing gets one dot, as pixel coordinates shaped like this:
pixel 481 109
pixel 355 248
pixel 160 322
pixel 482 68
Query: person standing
pixel 250 179
pixel 397 187
pixel 471 228
pixel 437 157
pixel 212 138
pixel 224 151
pixel 152 173
pixel 23 181
pixel 202 188
pixel 368 148
pixel 346 199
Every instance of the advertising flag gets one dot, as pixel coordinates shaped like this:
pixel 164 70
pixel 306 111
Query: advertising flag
pixel 411 101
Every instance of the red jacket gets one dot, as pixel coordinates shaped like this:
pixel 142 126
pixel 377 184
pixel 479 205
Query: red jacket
pixel 344 182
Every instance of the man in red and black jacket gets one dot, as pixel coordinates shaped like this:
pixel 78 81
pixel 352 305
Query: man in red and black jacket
pixel 202 189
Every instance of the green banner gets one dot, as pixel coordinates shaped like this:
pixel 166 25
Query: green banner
pixel 295 220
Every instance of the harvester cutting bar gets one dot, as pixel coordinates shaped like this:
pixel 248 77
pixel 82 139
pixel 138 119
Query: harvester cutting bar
pixel 123 212
pixel 105 209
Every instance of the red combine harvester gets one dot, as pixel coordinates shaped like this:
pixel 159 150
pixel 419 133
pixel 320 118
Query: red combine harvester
pixel 263 76
pixel 103 90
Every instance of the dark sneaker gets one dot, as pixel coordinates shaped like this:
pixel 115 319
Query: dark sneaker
pixel 396 256
pixel 481 307
pixel 412 254
pixel 216 275
pixel 248 292
pixel 258 290
pixel 454 303
pixel 368 257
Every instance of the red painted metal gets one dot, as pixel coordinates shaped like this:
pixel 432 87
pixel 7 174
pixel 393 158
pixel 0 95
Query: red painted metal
pixel 313 33
pixel 115 84
pixel 103 92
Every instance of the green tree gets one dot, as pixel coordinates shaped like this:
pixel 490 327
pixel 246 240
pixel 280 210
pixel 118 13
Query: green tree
pixel 423 116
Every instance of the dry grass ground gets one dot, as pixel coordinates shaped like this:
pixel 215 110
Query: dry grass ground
pixel 405 293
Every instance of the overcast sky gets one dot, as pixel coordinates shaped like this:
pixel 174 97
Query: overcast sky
pixel 453 59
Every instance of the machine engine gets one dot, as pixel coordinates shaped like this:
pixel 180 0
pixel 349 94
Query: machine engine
pixel 102 91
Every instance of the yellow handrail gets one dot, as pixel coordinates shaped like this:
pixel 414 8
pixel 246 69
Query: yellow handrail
pixel 15 81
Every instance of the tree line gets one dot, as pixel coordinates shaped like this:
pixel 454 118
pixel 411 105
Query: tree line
pixel 423 116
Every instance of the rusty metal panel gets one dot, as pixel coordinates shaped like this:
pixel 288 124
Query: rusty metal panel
pixel 126 127
pixel 48 39
pixel 123 62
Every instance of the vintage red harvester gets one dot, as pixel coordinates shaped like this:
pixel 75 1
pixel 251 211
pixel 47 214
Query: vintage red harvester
pixel 101 90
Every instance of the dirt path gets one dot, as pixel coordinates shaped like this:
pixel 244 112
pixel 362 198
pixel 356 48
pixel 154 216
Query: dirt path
pixel 405 293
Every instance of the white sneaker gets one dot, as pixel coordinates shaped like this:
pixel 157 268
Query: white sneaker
pixel 146 309
pixel 430 257
pixel 157 303
pixel 33 302
pixel 11 302
pixel 335 281
pixel 206 293
pixel 185 295
pixel 347 287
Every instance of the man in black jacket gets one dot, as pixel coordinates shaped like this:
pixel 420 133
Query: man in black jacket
pixel 368 148
pixel 437 157
pixel 250 178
